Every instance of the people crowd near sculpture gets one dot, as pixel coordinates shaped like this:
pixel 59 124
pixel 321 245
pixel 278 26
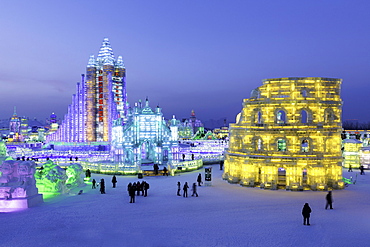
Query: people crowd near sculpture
pixel 138 189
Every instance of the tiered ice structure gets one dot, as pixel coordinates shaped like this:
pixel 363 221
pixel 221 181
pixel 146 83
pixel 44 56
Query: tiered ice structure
pixel 100 99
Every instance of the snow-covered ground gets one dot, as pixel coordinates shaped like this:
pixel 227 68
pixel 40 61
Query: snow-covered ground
pixel 223 215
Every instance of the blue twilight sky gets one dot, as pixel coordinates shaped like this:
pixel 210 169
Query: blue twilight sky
pixel 182 54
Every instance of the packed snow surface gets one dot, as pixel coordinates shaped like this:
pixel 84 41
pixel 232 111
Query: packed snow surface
pixel 223 215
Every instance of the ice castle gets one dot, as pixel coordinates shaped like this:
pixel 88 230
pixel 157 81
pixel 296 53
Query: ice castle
pixel 99 119
pixel 288 135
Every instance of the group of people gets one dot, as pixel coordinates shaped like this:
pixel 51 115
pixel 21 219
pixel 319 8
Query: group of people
pixel 306 210
pixel 102 183
pixel 362 169
pixel 137 189
pixel 186 187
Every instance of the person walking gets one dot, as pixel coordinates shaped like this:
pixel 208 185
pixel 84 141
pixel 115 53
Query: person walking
pixel 93 184
pixel 194 189
pixel 199 179
pixel 306 212
pixel 178 188
pixel 114 181
pixel 362 170
pixel 132 192
pixel 329 201
pixel 350 168
pixel 102 186
pixel 185 188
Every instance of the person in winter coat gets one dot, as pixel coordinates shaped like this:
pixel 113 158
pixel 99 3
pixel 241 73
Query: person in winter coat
pixel 114 181
pixel 132 192
pixel 306 211
pixel 362 172
pixel 329 201
pixel 102 186
pixel 178 188
pixel 138 188
pixel 194 189
pixel 129 187
pixel 93 184
pixel 146 187
pixel 199 179
pixel 185 188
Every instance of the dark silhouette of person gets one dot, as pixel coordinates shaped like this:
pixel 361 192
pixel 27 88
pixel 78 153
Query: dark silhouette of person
pixel 183 156
pixel 138 188
pixel 102 186
pixel 146 187
pixel 114 181
pixel 192 156
pixel 93 184
pixel 156 168
pixel 306 212
pixel 221 164
pixel 88 173
pixel 329 201
pixel 129 187
pixel 350 168
pixel 194 189
pixel 178 188
pixel 199 179
pixel 132 193
pixel 165 171
pixel 362 170
pixel 142 188
pixel 185 188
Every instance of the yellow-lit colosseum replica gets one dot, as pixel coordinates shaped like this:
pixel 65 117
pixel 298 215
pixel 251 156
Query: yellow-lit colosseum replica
pixel 288 135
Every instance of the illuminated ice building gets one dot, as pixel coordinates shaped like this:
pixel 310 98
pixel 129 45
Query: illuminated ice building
pixel 144 139
pixel 288 135
pixel 100 99
pixel 188 127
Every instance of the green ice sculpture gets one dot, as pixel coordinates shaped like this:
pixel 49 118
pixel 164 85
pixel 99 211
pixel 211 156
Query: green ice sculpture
pixel 52 178
pixel 74 175
pixel 2 149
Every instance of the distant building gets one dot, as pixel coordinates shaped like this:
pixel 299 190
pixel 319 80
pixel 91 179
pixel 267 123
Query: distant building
pixel 188 127
pixel 100 99
pixel 14 127
pixel 288 135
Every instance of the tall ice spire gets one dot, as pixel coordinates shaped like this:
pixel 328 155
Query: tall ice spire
pixel 106 53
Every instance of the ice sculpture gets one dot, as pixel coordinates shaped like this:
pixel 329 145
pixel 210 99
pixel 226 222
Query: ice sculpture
pixel 52 178
pixel 18 185
pixel 74 175
pixel 2 149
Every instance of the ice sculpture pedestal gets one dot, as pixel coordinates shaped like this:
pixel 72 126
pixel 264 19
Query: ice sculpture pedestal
pixel 18 186
pixel 15 204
